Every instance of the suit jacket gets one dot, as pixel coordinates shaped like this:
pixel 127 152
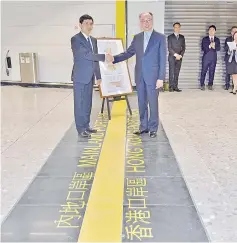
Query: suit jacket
pixel 151 64
pixel 210 53
pixel 86 61
pixel 176 45
pixel 226 47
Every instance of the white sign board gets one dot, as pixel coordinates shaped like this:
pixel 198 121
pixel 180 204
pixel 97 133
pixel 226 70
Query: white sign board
pixel 115 77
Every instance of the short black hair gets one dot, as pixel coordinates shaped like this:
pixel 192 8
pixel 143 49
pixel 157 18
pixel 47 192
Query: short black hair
pixel 212 26
pixel 234 27
pixel 177 24
pixel 85 17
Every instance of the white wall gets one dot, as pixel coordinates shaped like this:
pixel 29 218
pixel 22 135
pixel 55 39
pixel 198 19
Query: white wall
pixel 46 28
pixel 134 8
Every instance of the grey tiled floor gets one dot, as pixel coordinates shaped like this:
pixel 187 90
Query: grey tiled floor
pixel 37 214
pixel 202 130
pixel 172 214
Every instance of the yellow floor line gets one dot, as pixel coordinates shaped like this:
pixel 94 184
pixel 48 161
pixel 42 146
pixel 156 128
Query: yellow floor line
pixel 104 214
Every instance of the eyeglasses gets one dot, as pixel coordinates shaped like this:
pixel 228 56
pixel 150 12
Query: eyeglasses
pixel 146 21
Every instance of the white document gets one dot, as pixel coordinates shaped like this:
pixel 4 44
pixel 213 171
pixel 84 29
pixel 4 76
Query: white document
pixel 232 45
pixel 27 60
pixel 22 60
pixel 115 77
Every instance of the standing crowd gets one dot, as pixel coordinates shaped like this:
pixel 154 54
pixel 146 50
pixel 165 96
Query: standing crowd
pixel 210 45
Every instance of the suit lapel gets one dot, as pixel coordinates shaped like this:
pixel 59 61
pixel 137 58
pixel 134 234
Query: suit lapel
pixel 140 43
pixel 93 41
pixel 150 43
pixel 85 40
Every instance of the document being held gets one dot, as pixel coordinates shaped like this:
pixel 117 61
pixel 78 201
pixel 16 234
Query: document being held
pixel 232 45
pixel 116 80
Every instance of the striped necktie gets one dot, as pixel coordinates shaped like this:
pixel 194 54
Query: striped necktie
pixel 89 42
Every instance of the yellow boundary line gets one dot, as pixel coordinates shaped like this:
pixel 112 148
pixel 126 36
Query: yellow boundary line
pixel 103 219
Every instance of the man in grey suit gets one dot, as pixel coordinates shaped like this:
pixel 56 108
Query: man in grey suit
pixel 150 49
pixel 176 47
pixel 85 69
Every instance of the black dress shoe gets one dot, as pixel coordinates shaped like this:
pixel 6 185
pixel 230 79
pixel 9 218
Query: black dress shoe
pixel 210 87
pixel 153 134
pixel 84 134
pixel 203 88
pixel 140 132
pixel 91 130
pixel 178 90
pixel 171 90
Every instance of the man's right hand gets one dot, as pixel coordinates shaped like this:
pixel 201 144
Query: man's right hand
pixel 109 58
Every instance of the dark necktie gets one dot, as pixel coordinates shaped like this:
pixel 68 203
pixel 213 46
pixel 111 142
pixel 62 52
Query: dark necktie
pixel 89 43
pixel 177 36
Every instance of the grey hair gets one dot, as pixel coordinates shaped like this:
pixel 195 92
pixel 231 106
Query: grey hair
pixel 140 15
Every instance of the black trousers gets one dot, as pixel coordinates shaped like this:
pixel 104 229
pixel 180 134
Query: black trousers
pixel 82 104
pixel 227 76
pixel 174 69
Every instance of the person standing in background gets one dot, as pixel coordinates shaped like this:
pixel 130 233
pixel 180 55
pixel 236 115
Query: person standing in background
pixel 176 48
pixel 210 47
pixel 228 39
pixel 85 70
pixel 232 63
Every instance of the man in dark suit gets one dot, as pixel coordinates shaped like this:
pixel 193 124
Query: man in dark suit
pixel 228 39
pixel 85 69
pixel 210 47
pixel 176 47
pixel 149 47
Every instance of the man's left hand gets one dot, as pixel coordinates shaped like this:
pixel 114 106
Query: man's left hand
pixel 159 84
pixel 98 82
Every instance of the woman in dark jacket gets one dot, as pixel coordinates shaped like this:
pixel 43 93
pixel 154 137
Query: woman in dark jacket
pixel 232 64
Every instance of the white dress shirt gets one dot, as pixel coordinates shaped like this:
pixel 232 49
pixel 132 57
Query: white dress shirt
pixel 177 36
pixel 88 38
pixel 147 36
pixel 213 38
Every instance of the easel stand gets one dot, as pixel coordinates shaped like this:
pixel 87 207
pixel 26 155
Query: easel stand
pixel 112 99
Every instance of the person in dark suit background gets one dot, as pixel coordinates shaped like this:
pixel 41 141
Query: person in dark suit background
pixel 232 63
pixel 228 39
pixel 85 70
pixel 210 46
pixel 176 48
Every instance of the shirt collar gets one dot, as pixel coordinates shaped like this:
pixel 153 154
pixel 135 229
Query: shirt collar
pixel 86 36
pixel 148 32
pixel 176 34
